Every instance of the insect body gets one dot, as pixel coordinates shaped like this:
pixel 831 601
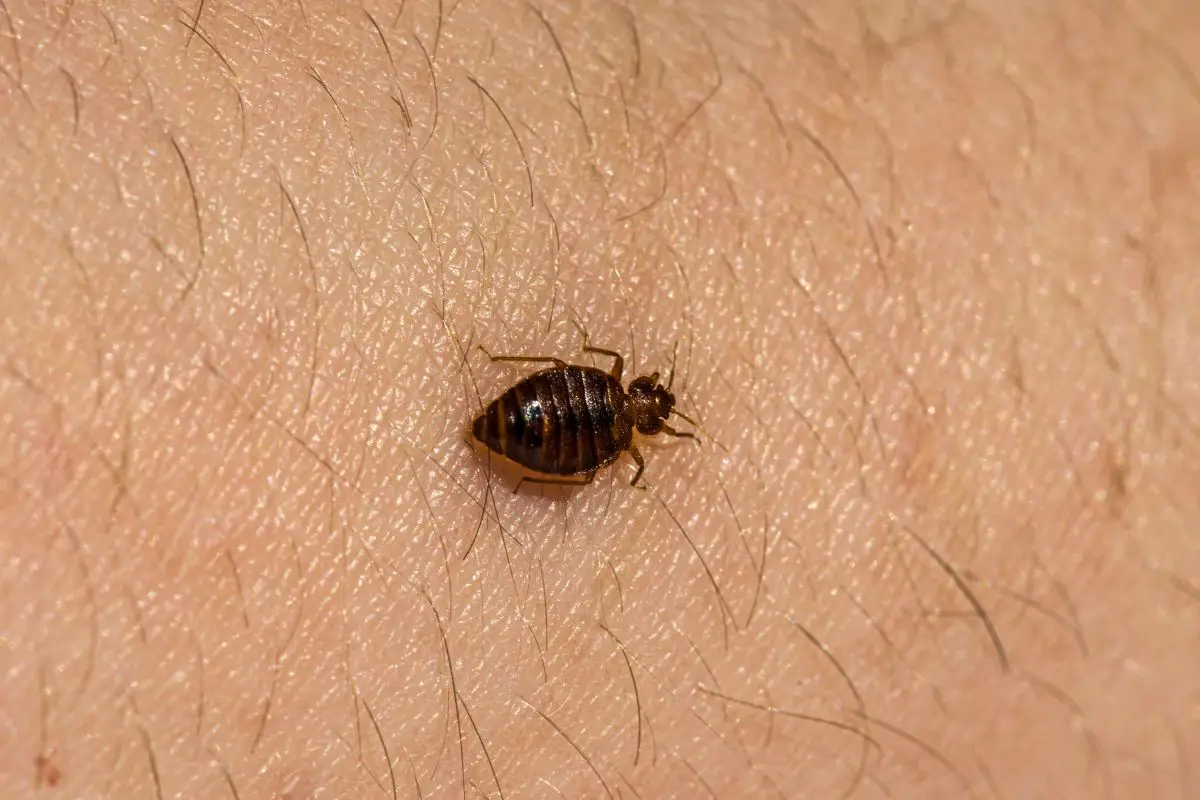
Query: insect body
pixel 571 420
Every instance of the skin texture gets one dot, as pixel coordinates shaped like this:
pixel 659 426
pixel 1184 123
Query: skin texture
pixel 931 272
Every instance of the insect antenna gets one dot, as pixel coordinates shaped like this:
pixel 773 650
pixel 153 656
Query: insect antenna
pixel 671 377
pixel 700 428
pixel 675 410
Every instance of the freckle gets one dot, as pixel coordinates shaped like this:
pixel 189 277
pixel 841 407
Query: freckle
pixel 48 773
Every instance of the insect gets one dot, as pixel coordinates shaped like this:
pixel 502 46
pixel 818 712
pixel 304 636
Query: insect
pixel 570 420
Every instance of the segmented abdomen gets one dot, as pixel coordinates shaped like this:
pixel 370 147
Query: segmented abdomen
pixel 560 421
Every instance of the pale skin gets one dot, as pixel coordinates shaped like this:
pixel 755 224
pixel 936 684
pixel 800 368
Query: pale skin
pixel 931 271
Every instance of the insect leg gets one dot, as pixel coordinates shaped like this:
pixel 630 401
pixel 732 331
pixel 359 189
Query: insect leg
pixel 618 362
pixel 591 476
pixel 558 362
pixel 641 464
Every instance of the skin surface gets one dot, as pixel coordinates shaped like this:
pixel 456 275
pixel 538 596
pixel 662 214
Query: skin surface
pixel 931 271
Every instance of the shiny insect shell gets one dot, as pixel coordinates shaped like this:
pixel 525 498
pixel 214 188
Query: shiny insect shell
pixel 571 420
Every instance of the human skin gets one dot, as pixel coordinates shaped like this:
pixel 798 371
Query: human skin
pixel 930 272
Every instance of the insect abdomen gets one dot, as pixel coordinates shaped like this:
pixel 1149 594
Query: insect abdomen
pixel 560 421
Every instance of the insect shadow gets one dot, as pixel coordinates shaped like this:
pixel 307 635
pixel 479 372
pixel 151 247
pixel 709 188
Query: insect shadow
pixel 563 424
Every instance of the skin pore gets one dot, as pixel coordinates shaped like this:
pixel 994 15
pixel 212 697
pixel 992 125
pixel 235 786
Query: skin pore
pixel 930 271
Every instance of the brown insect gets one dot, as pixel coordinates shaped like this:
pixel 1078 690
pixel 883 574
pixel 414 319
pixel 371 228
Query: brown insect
pixel 572 420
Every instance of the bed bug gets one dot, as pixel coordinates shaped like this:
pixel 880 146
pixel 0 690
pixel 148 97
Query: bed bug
pixel 571 420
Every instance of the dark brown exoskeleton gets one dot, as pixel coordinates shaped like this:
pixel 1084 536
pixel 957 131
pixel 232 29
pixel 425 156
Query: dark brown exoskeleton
pixel 571 420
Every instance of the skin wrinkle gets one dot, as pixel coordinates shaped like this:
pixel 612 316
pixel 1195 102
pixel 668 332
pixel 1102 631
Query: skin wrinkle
pixel 252 416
